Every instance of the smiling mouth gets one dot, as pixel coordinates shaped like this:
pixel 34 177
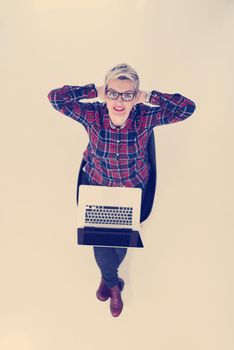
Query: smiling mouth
pixel 119 109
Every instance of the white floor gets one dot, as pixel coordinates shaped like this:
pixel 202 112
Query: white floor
pixel 179 288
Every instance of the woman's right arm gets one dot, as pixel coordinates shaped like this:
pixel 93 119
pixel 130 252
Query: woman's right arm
pixel 67 101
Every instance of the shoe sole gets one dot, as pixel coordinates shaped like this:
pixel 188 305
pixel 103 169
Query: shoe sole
pixel 101 298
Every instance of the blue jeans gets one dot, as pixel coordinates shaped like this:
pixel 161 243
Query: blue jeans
pixel 108 259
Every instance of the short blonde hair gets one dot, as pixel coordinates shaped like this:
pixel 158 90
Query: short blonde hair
pixel 122 71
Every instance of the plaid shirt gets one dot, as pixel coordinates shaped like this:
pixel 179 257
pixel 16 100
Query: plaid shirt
pixel 118 156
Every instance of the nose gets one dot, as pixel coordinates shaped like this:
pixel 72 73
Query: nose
pixel 120 99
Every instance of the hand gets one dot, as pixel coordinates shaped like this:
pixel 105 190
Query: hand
pixel 141 96
pixel 100 91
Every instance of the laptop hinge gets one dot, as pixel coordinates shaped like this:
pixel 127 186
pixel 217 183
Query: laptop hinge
pixel 108 229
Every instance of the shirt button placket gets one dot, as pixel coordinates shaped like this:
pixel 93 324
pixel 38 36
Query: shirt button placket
pixel 118 141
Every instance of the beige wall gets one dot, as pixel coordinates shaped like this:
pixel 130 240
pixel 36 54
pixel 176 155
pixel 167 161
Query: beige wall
pixel 179 288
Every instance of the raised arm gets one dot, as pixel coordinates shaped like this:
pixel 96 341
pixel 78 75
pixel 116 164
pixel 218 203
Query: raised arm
pixel 171 108
pixel 67 101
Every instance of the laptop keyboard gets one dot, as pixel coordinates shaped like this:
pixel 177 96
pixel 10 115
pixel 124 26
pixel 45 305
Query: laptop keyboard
pixel 109 240
pixel 98 214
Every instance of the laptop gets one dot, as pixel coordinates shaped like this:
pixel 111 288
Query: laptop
pixel 109 216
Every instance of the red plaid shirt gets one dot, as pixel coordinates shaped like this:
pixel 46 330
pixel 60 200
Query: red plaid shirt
pixel 118 156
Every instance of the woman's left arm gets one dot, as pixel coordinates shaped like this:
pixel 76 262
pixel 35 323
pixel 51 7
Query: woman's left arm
pixel 171 108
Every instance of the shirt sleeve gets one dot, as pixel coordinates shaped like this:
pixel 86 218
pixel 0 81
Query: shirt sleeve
pixel 67 101
pixel 171 108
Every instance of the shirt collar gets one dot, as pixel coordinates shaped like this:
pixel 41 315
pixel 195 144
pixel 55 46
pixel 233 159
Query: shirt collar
pixel 116 127
pixel 109 125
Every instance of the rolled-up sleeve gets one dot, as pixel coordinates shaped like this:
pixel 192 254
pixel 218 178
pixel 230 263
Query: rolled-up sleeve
pixel 67 101
pixel 171 108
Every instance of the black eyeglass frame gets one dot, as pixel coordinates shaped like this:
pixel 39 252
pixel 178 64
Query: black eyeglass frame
pixel 120 94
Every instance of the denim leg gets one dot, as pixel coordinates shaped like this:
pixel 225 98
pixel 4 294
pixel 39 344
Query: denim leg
pixel 108 262
pixel 120 253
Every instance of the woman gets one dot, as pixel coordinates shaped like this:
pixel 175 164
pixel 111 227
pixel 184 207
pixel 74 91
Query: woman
pixel 118 130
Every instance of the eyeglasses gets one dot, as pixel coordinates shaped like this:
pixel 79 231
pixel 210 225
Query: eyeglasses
pixel 126 96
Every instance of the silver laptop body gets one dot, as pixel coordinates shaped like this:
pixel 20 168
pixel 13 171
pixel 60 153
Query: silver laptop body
pixel 109 216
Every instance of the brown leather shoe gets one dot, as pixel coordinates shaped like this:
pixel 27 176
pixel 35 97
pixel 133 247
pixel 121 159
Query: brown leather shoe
pixel 103 292
pixel 116 303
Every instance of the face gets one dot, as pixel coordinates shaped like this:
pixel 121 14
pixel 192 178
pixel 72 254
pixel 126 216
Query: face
pixel 119 110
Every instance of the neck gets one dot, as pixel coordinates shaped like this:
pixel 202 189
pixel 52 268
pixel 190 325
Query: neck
pixel 117 126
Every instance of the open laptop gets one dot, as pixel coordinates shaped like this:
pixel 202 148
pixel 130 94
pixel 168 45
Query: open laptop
pixel 109 216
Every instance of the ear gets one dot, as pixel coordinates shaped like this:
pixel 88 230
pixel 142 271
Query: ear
pixel 137 97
